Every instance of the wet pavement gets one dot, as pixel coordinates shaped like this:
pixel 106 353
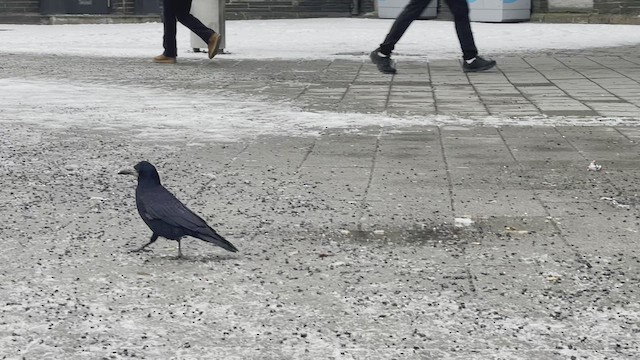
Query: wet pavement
pixel 445 241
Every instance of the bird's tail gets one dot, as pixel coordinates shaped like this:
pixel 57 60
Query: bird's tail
pixel 217 239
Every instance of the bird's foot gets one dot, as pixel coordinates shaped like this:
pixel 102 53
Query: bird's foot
pixel 140 250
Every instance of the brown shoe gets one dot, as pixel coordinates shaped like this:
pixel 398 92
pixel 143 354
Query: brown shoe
pixel 214 44
pixel 161 59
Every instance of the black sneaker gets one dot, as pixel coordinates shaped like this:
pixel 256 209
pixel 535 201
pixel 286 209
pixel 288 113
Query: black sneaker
pixel 383 62
pixel 478 64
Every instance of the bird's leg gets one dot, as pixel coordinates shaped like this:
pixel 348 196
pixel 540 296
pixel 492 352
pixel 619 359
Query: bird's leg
pixel 153 239
pixel 179 250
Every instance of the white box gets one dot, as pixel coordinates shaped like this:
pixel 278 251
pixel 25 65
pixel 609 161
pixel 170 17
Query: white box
pixel 499 10
pixel 210 13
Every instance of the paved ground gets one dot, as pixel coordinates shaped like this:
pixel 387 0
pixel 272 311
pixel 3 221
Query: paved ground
pixel 423 242
pixel 588 83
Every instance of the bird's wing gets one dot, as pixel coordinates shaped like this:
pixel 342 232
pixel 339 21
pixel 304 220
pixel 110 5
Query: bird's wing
pixel 160 204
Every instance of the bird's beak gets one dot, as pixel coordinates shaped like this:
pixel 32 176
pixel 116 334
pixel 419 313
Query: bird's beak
pixel 128 172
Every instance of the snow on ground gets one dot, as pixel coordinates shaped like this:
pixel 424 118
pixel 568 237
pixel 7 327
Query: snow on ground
pixel 156 113
pixel 58 103
pixel 313 38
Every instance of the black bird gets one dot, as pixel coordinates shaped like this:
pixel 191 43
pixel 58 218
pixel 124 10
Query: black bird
pixel 165 215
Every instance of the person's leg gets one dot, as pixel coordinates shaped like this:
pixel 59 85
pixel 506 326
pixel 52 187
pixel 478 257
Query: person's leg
pixel 471 61
pixel 382 55
pixel 460 11
pixel 169 39
pixel 410 13
pixel 191 22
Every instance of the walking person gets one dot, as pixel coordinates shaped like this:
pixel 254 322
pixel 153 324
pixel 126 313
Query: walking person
pixel 460 10
pixel 179 10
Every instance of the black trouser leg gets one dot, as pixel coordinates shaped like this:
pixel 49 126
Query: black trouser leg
pixel 460 11
pixel 411 12
pixel 179 10
pixel 169 39
pixel 191 22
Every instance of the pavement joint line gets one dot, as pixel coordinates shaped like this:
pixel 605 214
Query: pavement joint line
pixel 350 84
pixel 447 170
pixel 631 61
pixel 594 82
pixel 506 144
pixel 616 71
pixel 571 144
pixel 477 93
pixel 363 203
pixel 467 270
pixel 633 142
pixel 306 155
pixel 302 92
pixel 558 87
pixel 523 94
pixel 580 258
pixel 432 89
pixel 575 148
pixel 389 90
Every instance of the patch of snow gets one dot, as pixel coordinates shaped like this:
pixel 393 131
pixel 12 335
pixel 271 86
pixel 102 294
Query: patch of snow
pixel 313 38
pixel 152 114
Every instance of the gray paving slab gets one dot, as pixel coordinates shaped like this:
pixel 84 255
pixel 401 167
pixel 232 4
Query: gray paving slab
pixel 383 242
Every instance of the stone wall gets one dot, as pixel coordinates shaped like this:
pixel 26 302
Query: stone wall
pixel 617 7
pixel 274 9
pixel 19 6
pixel 246 9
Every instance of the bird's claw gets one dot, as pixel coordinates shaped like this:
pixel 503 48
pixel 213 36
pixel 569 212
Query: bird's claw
pixel 140 250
